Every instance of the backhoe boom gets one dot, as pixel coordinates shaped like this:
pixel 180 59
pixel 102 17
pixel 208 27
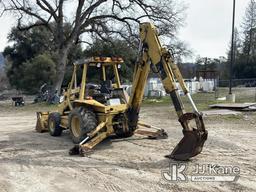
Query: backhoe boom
pixel 158 59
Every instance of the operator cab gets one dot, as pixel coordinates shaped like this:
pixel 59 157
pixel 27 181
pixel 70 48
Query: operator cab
pixel 101 81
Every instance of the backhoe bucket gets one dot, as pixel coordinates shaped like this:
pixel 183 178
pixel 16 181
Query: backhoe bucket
pixel 189 146
pixel 42 121
pixel 193 141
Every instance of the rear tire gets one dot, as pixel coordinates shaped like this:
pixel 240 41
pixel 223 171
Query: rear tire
pixel 81 121
pixel 54 124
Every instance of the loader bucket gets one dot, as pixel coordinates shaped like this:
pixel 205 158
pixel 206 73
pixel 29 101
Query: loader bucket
pixel 42 121
pixel 189 146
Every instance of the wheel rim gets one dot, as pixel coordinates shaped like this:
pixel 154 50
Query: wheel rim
pixel 75 123
pixel 51 125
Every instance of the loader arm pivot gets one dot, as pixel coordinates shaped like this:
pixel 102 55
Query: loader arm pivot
pixel 152 56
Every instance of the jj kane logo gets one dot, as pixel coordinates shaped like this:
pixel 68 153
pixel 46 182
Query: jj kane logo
pixel 205 172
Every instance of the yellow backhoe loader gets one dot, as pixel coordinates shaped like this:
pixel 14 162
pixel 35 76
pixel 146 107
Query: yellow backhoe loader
pixel 92 113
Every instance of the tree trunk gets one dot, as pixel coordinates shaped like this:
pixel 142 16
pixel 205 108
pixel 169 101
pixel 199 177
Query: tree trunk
pixel 61 69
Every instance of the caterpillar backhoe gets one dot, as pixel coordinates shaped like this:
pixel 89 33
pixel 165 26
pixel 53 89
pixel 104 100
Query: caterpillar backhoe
pixel 93 113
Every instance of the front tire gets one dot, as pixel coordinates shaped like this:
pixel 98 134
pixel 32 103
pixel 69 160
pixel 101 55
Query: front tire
pixel 81 121
pixel 54 124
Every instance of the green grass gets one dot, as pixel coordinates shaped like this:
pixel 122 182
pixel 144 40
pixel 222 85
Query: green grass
pixel 243 94
pixel 203 100
pixel 28 107
pixel 232 117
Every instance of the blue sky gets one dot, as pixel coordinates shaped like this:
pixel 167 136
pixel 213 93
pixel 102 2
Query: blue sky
pixel 207 30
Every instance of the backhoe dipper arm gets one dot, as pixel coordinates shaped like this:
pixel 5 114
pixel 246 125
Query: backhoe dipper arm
pixel 160 61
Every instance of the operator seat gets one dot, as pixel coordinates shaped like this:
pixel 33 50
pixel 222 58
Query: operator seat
pixel 106 87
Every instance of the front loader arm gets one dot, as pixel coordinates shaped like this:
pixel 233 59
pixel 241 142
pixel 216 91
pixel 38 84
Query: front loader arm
pixel 153 56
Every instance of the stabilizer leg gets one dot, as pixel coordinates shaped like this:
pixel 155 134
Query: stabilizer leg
pixel 93 138
pixel 151 131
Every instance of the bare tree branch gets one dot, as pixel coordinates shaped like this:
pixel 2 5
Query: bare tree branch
pixel 48 8
pixel 105 19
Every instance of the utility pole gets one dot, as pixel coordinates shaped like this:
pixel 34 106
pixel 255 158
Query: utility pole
pixel 232 50
pixel 205 67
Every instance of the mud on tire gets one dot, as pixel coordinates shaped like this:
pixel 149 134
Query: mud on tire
pixel 81 121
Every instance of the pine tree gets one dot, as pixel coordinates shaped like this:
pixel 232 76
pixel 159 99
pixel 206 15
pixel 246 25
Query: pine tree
pixel 245 49
pixel 249 31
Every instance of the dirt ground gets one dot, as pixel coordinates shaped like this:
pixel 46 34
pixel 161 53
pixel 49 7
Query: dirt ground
pixel 31 161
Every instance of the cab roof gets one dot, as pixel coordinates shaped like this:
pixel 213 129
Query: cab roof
pixel 93 61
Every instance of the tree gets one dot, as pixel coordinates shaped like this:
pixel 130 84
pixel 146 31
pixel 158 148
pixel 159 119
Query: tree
pixel 245 47
pixel 179 50
pixel 28 44
pixel 208 68
pixel 249 30
pixel 188 70
pixel 104 18
pixel 38 71
pixel 237 56
pixel 118 48
pixel 4 83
